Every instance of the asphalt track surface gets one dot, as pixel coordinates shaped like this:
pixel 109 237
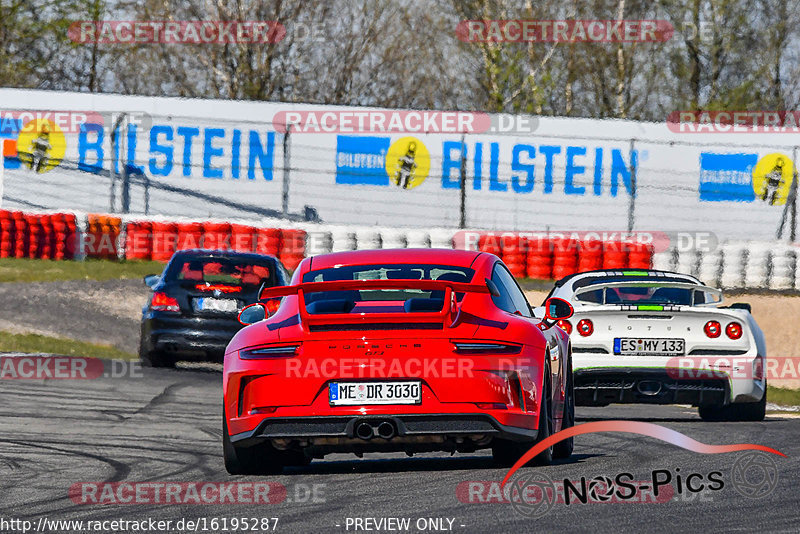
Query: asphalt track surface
pixel 164 426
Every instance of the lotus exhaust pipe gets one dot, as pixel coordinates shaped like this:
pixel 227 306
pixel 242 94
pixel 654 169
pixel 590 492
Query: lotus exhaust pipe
pixel 386 430
pixel 364 431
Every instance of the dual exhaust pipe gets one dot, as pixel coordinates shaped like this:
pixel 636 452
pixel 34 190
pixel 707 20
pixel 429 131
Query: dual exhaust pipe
pixel 367 431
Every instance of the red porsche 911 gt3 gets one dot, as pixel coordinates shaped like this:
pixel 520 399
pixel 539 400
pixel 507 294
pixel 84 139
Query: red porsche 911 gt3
pixel 409 350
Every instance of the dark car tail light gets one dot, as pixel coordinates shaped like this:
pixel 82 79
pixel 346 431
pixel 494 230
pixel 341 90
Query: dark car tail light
pixel 712 329
pixel 269 351
pixel 565 325
pixel 272 306
pixel 733 330
pixel 163 302
pixel 484 347
pixel 585 327
pixel 222 288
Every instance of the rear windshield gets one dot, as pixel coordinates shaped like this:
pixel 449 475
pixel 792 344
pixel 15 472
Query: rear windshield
pixel 644 295
pixel 244 272
pixel 384 300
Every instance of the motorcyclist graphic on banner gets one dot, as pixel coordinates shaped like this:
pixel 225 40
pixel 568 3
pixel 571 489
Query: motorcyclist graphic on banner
pixel 773 183
pixel 39 148
pixel 405 167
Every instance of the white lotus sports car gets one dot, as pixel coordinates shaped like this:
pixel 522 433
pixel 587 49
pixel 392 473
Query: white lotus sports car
pixel 663 338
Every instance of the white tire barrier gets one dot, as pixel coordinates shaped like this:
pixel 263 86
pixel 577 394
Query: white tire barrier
pixel 782 275
pixel 343 239
pixel 441 238
pixel 391 238
pixel 732 264
pixel 418 239
pixel 368 239
pixel 756 269
pixel 318 242
pixel 665 261
pixel 710 270
pixel 687 261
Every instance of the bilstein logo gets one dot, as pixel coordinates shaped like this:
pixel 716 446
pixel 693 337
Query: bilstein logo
pixel 772 178
pixel 41 145
pixel 408 162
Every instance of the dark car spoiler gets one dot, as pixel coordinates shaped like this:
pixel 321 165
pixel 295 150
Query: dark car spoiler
pixel 450 288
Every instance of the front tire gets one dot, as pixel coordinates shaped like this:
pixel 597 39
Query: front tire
pixel 563 449
pixel 157 359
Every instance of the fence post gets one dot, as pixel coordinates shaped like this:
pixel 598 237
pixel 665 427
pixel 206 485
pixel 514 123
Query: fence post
pixel 112 172
pixel 462 174
pixel 632 202
pixel 286 161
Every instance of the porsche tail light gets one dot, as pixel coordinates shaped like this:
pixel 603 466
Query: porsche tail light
pixel 565 325
pixel 477 347
pixel 585 327
pixel 163 302
pixel 269 351
pixel 733 330
pixel 712 329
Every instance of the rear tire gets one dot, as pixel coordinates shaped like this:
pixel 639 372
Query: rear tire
pixel 506 453
pixel 563 449
pixel 740 411
pixel 260 459
pixel 157 359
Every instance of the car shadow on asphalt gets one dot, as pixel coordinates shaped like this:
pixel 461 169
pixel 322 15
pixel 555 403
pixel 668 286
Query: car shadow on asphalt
pixel 404 465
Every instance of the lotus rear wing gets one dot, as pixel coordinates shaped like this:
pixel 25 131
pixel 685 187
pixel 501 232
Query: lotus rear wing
pixel 639 283
pixel 304 288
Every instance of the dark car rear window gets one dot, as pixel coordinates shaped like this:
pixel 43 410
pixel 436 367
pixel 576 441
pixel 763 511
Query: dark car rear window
pixel 222 270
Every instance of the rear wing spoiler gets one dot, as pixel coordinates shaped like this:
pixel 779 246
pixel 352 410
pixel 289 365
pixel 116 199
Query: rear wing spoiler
pixel 677 285
pixel 449 306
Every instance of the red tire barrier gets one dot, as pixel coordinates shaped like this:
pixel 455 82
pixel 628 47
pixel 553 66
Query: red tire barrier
pixel 490 243
pixel 590 255
pixel 565 257
pixel 165 240
pixel 190 235
pixel 217 236
pixel 640 256
pixel 243 238
pixel 514 254
pixel 6 234
pixel 34 231
pixel 20 235
pixel 268 241
pixel 293 248
pixel 139 242
pixel 540 258
pixel 47 239
pixel 615 255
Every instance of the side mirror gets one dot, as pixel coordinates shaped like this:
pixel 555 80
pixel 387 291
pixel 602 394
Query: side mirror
pixel 253 313
pixel 152 280
pixel 557 309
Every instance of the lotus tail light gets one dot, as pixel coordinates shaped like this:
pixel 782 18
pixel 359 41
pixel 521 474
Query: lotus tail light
pixel 565 325
pixel 267 352
pixel 585 327
pixel 712 329
pixel 163 302
pixel 733 330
